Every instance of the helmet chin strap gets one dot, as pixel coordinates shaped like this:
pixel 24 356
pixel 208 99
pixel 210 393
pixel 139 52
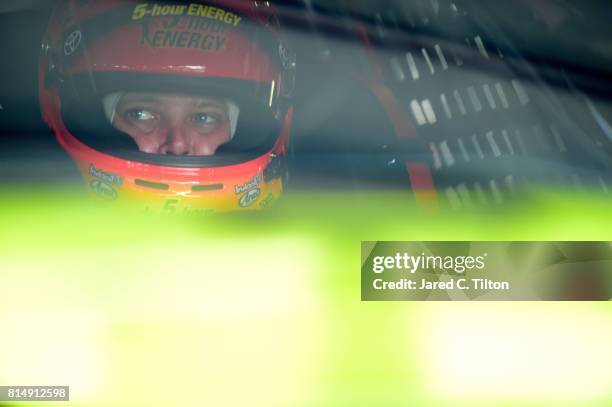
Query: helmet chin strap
pixel 110 102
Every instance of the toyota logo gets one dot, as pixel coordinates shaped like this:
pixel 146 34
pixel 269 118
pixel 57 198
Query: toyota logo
pixel 72 42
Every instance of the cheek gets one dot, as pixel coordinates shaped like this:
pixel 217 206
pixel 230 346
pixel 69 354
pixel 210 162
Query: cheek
pixel 135 129
pixel 207 144
pixel 149 142
pixel 219 135
pixel 146 142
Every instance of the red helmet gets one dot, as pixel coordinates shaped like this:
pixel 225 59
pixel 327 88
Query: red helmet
pixel 185 105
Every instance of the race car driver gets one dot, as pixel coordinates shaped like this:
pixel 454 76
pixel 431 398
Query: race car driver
pixel 182 106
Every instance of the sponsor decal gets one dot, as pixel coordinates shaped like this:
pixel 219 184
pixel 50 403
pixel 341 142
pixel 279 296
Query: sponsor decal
pixel 105 175
pixel 253 182
pixel 192 10
pixel 249 198
pixel 176 207
pixel 195 26
pixel 72 42
pixel 103 189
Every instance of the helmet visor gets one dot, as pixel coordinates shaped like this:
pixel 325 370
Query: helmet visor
pixel 171 120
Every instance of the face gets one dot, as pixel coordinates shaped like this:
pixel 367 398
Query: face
pixel 173 123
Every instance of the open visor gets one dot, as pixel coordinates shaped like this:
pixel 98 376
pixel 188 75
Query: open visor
pixel 136 116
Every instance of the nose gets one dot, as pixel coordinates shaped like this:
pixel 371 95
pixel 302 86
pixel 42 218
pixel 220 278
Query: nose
pixel 177 142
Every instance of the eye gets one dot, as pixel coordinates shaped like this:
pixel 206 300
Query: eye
pixel 203 118
pixel 140 115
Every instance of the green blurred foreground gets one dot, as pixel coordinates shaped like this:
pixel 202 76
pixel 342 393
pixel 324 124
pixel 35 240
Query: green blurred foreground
pixel 264 310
